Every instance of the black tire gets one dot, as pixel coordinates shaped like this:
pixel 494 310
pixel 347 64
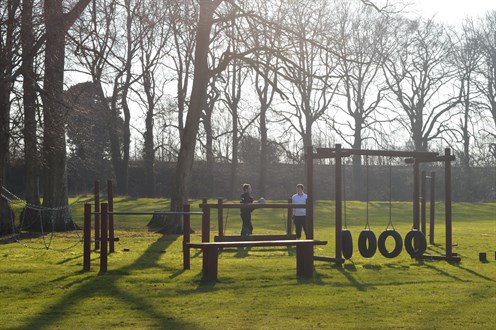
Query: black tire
pixel 381 243
pixel 412 238
pixel 367 243
pixel 346 244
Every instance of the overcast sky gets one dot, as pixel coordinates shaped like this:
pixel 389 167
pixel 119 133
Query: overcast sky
pixel 452 11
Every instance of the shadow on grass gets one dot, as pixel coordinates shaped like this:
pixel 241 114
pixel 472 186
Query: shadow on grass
pixel 470 271
pixel 351 278
pixel 105 286
pixel 440 271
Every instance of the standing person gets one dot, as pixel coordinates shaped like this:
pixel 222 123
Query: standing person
pixel 299 215
pixel 246 198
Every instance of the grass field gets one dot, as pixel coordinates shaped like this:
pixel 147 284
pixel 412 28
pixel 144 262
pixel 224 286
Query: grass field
pixel 147 288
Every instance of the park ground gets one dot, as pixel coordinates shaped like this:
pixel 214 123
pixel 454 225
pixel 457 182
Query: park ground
pixel 146 287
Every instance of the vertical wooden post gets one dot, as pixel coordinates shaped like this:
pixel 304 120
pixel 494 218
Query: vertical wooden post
pixel 87 237
pixel 97 215
pixel 186 237
pixel 110 193
pixel 104 239
pixel 309 212
pixel 416 194
pixel 339 206
pixel 423 203
pixel 447 193
pixel 220 218
pixel 289 228
pixel 205 221
pixel 432 208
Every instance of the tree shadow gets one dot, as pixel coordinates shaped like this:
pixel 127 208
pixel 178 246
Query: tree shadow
pixel 106 286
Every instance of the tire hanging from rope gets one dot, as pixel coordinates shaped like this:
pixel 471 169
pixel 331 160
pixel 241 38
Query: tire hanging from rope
pixel 346 238
pixel 367 241
pixel 390 231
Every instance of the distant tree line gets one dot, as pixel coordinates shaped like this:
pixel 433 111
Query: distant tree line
pixel 281 181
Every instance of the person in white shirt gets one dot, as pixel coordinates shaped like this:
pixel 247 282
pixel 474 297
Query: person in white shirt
pixel 299 215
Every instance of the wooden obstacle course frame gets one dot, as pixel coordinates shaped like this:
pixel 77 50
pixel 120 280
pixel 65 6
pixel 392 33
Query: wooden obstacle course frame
pixel 412 157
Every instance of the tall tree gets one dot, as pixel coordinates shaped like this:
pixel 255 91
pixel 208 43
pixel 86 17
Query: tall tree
pixel 30 102
pixel 467 59
pixel 57 23
pixel 311 76
pixel 421 80
pixel 9 29
pixel 361 49
pixel 153 44
pixel 487 83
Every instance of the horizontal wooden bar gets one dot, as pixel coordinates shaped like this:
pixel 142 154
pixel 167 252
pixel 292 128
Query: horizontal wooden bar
pixel 253 238
pixel 430 160
pixel 255 206
pixel 151 213
pixel 331 153
pixel 257 243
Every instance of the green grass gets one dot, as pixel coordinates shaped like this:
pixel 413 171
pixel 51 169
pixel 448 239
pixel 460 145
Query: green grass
pixel 146 286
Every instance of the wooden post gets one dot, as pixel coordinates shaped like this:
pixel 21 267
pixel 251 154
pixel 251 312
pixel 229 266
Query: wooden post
pixel 186 237
pixel 416 194
pixel 432 208
pixel 104 239
pixel 289 228
pixel 87 237
pixel 423 203
pixel 309 211
pixel 97 215
pixel 220 218
pixel 339 206
pixel 205 221
pixel 110 193
pixel 447 193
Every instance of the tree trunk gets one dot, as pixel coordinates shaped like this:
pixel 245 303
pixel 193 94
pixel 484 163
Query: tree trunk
pixel 358 183
pixel 54 145
pixel 29 217
pixel 149 154
pixel 184 165
pixel 263 150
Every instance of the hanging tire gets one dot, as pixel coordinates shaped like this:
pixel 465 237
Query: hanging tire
pixel 381 243
pixel 412 238
pixel 367 243
pixel 346 243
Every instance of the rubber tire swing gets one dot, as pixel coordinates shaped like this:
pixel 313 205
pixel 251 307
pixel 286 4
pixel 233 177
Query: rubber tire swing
pixel 367 243
pixel 346 243
pixel 420 240
pixel 397 241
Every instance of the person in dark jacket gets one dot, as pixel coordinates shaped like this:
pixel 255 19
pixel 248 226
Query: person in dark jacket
pixel 246 198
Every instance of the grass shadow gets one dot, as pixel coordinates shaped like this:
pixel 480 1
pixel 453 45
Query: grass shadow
pixel 470 271
pixel 105 286
pixel 440 271
pixel 349 276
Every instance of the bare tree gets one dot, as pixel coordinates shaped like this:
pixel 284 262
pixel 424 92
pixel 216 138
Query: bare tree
pixel 486 85
pixel 108 54
pixel 311 76
pixel 361 47
pixel 468 61
pixel 421 80
pixel 153 45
